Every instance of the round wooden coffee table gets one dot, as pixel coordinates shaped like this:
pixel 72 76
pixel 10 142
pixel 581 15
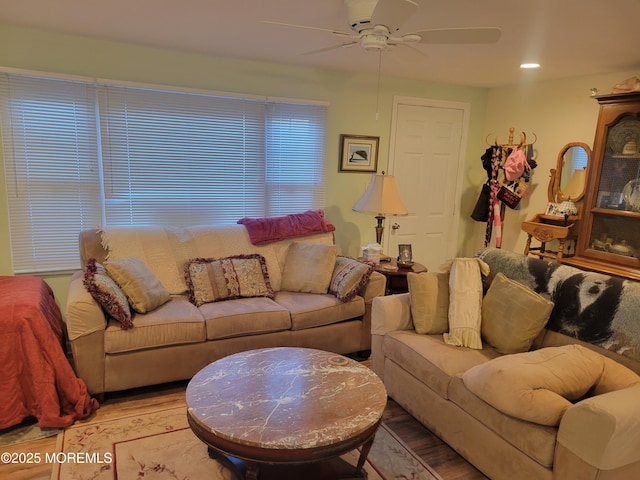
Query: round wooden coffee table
pixel 285 405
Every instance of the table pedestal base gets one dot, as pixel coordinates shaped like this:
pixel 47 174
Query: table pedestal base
pixel 332 469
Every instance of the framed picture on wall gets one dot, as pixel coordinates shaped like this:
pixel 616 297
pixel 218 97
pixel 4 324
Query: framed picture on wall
pixel 358 153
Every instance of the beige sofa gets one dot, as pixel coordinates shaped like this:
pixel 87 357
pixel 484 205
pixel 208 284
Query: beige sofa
pixel 177 339
pixel 597 435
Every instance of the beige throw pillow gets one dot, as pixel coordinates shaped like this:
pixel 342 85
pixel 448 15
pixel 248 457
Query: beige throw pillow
pixel 540 386
pixel 308 267
pixel 429 298
pixel 513 315
pixel 139 284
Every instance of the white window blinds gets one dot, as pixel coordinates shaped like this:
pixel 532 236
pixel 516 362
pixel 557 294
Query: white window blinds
pixel 51 169
pixel 79 156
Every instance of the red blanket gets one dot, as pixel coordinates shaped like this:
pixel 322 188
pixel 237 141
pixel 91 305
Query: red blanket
pixel 36 377
pixel 274 229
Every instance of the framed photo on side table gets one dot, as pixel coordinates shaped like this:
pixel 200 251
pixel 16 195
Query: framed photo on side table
pixel 358 153
pixel 405 255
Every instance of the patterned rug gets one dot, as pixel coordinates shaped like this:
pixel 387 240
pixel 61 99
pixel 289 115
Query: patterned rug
pixel 160 445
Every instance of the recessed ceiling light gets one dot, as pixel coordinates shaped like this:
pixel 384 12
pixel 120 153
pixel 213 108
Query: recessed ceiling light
pixel 530 65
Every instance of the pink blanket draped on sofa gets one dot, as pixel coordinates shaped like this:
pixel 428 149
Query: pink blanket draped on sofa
pixel 37 379
pixel 274 229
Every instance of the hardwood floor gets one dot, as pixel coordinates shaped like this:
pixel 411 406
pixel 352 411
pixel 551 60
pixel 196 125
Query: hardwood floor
pixel 431 449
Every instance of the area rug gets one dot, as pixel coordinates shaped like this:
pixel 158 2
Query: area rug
pixel 160 445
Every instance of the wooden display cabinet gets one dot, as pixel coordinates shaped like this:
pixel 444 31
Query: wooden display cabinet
pixel 609 231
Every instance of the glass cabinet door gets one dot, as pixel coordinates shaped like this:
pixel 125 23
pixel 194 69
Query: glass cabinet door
pixel 613 229
pixel 609 234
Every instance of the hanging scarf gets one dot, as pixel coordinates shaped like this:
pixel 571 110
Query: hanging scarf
pixel 494 220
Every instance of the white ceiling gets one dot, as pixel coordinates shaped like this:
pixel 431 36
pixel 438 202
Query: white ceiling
pixel 568 37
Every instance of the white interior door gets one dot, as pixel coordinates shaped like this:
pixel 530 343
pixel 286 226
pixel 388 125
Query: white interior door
pixel 427 157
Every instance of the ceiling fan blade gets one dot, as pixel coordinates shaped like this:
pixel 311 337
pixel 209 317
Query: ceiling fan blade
pixel 337 33
pixel 333 47
pixel 408 53
pixel 460 35
pixel 393 13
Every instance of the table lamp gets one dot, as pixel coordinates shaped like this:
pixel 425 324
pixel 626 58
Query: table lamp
pixel 381 197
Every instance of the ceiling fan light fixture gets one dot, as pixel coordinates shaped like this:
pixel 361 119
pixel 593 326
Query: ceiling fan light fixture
pixel 373 41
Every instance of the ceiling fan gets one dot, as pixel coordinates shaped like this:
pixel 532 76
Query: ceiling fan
pixel 376 24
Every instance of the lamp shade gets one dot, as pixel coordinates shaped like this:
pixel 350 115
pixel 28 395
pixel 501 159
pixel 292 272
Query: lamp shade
pixel 382 197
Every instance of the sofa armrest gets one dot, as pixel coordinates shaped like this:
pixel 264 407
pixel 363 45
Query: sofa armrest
pixel 84 315
pixel 374 288
pixel 388 314
pixel 603 431
pixel 86 323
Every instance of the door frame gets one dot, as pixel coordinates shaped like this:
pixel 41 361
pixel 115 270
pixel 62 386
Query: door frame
pixel 462 154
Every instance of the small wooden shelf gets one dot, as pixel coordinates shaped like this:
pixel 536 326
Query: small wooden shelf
pixel 544 229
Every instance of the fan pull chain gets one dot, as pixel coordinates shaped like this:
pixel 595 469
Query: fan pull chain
pixel 378 86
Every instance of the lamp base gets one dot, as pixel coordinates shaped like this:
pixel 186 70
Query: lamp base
pixel 379 229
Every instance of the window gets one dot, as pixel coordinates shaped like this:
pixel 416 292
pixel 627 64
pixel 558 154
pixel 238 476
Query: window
pixel 79 154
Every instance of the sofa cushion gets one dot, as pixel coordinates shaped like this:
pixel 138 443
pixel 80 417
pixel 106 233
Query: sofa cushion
pixel 313 310
pixel 162 249
pixel 537 441
pixel 244 316
pixel 139 284
pixel 513 315
pixel 308 267
pixel 349 276
pixel 174 323
pixel 107 293
pixel 241 276
pixel 430 359
pixel 222 241
pixel 465 303
pixel 540 386
pixel 429 297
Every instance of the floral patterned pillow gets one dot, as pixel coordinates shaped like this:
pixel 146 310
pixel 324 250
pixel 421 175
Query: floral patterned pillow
pixel 107 293
pixel 241 276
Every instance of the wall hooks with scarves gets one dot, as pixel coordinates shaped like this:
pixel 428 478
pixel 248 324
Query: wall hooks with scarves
pixel 509 167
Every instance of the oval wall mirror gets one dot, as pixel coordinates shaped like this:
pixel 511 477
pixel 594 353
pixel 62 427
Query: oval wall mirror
pixel 571 172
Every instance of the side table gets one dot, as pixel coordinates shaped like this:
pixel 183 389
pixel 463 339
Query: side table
pixel 397 276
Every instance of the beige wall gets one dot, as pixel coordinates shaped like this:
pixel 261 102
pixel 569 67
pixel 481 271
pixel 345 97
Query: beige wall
pixel 352 99
pixel 558 112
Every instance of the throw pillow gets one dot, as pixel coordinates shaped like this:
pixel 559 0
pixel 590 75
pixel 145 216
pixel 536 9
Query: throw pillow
pixel 139 284
pixel 240 276
pixel 105 291
pixel 465 303
pixel 308 267
pixel 513 315
pixel 349 276
pixel 539 386
pixel 429 299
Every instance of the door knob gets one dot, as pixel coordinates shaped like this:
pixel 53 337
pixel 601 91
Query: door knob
pixel 395 226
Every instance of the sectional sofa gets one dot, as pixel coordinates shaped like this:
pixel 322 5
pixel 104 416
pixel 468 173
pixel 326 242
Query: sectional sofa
pixel 547 386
